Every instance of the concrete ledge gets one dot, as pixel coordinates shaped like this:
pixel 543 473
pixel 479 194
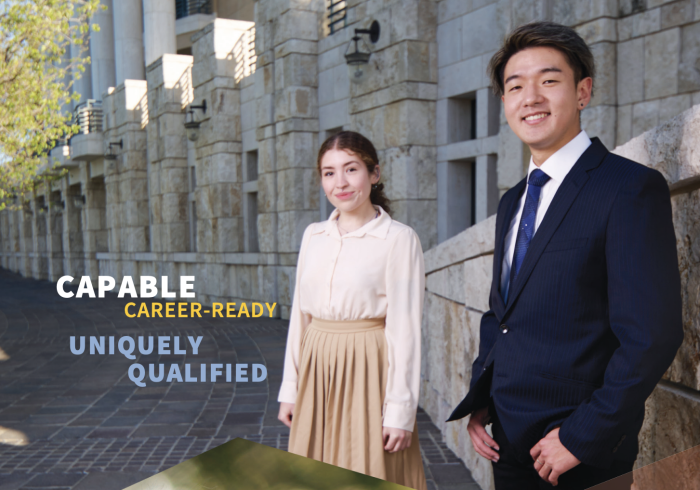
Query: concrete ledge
pixel 87 147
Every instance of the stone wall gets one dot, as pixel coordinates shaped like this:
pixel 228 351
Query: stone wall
pixel 458 280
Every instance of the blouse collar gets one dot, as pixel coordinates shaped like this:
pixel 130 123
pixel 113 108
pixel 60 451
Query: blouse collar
pixel 377 227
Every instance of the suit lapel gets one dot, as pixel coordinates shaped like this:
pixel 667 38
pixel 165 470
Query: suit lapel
pixel 501 232
pixel 559 207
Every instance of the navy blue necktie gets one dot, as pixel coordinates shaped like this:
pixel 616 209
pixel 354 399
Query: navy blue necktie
pixel 527 221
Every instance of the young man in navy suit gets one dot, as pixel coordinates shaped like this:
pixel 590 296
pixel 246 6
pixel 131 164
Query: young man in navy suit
pixel 585 304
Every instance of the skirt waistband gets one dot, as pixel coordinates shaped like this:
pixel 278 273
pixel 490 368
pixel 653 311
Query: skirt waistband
pixel 347 326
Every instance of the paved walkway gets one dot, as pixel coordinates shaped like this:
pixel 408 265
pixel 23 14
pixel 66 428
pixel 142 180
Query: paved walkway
pixel 77 422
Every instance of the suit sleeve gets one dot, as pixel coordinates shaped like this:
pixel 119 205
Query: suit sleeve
pixel 645 314
pixel 298 321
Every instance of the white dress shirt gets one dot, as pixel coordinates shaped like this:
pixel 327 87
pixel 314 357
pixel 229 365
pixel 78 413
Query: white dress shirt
pixel 376 271
pixel 557 167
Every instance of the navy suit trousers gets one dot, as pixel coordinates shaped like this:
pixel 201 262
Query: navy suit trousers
pixel 515 469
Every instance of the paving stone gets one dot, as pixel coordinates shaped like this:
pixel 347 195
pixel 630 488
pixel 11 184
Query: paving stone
pixel 108 433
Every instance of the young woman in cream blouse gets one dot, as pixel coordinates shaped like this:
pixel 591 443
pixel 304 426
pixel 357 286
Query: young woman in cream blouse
pixel 352 364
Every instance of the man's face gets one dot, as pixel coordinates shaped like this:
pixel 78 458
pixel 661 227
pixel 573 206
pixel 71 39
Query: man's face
pixel 541 100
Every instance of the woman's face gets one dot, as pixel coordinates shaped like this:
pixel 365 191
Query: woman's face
pixel 346 180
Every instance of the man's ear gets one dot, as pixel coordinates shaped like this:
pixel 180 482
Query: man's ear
pixel 584 92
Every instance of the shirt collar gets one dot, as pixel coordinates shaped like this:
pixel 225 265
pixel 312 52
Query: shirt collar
pixel 562 161
pixel 377 227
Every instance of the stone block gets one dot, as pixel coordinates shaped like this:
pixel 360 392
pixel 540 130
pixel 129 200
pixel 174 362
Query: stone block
pixel 290 228
pixel 670 147
pixel 624 125
pixel 481 31
pixel 370 124
pixel 599 30
pixel 419 215
pixel 689 69
pixel 335 115
pixel 286 278
pixel 573 12
pixel 296 102
pixel 297 189
pixel 229 234
pixel 173 180
pixel 645 115
pixel 267 193
pixel 686 218
pixel 225 167
pixel 449 38
pixel 472 242
pixel 451 9
pixel 477 282
pixel 600 121
pixel 657 3
pixel 409 122
pixel 676 14
pixel 448 283
pixel 413 20
pixel 296 150
pixel 661 60
pixel 267 159
pixel 174 208
pixel 408 172
pixel 461 78
pixel 673 106
pixel 630 71
pixel 605 90
pixel 296 24
pixel 671 425
pixel 296 70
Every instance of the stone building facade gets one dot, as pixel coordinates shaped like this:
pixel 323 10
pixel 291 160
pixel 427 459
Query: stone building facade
pixel 267 81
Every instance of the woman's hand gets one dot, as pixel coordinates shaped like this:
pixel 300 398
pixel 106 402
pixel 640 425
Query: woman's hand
pixel 396 439
pixel 285 415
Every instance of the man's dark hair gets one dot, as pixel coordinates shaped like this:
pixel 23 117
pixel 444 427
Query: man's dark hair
pixel 547 34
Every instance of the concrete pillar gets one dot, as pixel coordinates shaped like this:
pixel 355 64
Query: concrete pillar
pixel 128 41
pixel 73 258
pixel 159 29
pixel 102 51
pixel 82 80
pixel 54 236
pixel 94 224
pixel 40 266
pixel 169 89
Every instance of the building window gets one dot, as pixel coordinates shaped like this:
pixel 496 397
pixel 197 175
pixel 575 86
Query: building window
pixel 185 8
pixel 250 202
pixel 456 197
pixel 461 118
pixel 337 15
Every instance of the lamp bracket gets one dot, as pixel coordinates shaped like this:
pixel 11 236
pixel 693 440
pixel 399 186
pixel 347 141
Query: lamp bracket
pixel 374 31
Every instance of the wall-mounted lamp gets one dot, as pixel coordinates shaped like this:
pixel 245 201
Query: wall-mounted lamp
pixel 357 53
pixel 110 153
pixel 191 125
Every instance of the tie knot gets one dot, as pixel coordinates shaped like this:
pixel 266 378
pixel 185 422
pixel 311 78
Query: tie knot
pixel 538 178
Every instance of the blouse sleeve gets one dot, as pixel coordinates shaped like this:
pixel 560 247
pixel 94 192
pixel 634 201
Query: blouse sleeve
pixel 405 287
pixel 298 322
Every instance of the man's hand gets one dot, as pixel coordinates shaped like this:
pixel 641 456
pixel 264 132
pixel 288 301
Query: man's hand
pixel 481 440
pixel 285 415
pixel 551 458
pixel 396 439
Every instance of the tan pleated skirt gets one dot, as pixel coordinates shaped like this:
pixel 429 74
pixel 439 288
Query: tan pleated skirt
pixel 337 418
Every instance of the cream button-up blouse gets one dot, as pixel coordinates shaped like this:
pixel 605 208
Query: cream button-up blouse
pixel 376 271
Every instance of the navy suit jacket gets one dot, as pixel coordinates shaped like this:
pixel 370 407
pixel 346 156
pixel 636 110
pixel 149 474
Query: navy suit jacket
pixel 593 319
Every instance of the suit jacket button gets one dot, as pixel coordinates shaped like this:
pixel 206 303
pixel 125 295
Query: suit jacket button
pixel 504 328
